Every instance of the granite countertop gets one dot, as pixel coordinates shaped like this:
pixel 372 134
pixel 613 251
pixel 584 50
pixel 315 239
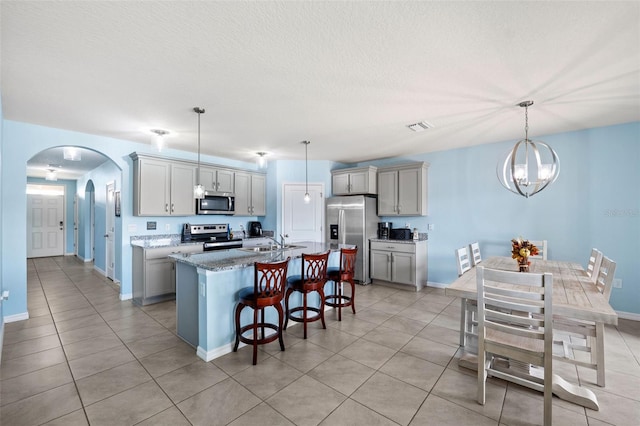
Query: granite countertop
pixel 422 237
pixel 225 260
pixel 156 241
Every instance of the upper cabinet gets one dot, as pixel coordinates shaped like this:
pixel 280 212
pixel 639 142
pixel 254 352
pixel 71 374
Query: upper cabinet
pixel 217 179
pixel 162 188
pixel 250 191
pixel 357 180
pixel 402 190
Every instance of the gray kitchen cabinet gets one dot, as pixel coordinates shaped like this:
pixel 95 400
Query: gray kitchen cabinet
pixel 162 187
pixel 154 272
pixel 217 179
pixel 402 190
pixel 402 263
pixel 356 180
pixel 250 192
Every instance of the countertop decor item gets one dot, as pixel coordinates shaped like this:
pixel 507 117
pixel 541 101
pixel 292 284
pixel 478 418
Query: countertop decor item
pixel 521 249
pixel 198 190
pixel 526 156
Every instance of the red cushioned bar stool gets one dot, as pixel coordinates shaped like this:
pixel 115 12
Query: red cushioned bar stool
pixel 343 274
pixel 312 278
pixel 267 290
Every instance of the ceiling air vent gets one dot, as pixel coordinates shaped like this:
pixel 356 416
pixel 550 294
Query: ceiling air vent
pixel 420 127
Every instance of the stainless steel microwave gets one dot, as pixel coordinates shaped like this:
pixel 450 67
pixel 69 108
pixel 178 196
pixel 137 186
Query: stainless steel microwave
pixel 216 203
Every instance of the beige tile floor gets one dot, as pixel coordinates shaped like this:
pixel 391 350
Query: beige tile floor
pixel 84 357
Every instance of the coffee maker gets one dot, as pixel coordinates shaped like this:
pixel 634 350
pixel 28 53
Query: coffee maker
pixel 255 229
pixel 384 228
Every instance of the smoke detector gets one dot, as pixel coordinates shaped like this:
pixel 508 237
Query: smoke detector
pixel 420 127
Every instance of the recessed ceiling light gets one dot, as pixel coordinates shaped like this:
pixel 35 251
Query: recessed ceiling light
pixel 420 127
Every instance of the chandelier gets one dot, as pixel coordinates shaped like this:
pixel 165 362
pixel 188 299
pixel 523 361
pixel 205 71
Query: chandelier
pixel 530 166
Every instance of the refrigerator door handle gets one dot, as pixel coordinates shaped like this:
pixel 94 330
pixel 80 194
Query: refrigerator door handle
pixel 342 236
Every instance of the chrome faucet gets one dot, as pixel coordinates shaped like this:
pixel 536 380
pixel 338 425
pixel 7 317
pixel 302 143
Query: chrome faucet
pixel 281 242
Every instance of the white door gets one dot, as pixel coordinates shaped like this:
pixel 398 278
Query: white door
pixel 303 221
pixel 45 225
pixel 110 230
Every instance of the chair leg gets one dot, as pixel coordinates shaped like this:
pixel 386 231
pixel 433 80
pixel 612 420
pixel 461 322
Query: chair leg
pixel 304 312
pixel 238 310
pixel 286 308
pixel 353 296
pixel 482 359
pixel 278 307
pixel 262 322
pixel 322 299
pixel 255 336
pixel 338 292
pixel 599 347
pixel 463 322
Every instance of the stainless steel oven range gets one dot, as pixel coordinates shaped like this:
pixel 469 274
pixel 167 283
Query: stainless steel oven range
pixel 213 236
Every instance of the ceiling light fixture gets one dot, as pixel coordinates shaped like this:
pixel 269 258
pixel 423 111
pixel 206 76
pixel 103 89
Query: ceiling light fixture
pixel 262 162
pixel 159 138
pixel 71 153
pixel 198 190
pixel 51 173
pixel 514 175
pixel 307 197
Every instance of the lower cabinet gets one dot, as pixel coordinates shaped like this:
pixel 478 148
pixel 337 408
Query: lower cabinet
pixel 154 272
pixel 399 262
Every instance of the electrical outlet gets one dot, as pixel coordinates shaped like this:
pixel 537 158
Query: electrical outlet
pixel 617 283
pixel 167 227
pixel 430 227
pixel 407 225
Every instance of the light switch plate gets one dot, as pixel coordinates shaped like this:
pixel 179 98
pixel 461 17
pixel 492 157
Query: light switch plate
pixel 617 283
pixel 430 227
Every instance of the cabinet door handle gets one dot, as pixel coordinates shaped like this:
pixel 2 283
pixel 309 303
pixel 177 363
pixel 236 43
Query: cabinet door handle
pixel 172 208
pixel 166 207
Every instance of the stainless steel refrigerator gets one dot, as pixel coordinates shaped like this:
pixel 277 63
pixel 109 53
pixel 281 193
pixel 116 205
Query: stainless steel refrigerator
pixel 353 219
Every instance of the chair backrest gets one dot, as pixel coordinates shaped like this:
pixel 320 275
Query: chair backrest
pixel 314 267
pixel 542 249
pixel 595 259
pixel 475 253
pixel 348 258
pixel 503 298
pixel 463 261
pixel 270 280
pixel 604 279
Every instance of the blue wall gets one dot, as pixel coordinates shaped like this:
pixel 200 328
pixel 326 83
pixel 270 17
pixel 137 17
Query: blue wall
pixel 594 203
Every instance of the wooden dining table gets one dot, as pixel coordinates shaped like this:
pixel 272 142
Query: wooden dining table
pixel 574 296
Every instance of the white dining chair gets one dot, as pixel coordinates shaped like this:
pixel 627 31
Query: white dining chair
pixel 476 258
pixel 463 261
pixel 514 323
pixel 542 249
pixel 593 266
pixel 572 335
pixel 468 307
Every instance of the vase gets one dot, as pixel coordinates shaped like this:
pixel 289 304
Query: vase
pixel 524 264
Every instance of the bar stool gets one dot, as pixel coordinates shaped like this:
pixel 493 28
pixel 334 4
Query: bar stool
pixel 313 277
pixel 343 274
pixel 267 290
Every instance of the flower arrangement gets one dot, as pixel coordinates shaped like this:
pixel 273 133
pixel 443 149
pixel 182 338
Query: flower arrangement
pixel 521 249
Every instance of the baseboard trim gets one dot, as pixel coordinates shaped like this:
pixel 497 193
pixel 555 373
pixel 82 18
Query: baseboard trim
pixel 437 285
pixel 628 315
pixel 215 353
pixel 100 271
pixel 126 296
pixel 17 317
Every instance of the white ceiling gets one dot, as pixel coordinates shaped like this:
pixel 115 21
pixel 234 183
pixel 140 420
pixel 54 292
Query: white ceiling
pixel 349 76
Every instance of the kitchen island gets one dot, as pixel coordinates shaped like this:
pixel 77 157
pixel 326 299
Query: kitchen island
pixel 207 286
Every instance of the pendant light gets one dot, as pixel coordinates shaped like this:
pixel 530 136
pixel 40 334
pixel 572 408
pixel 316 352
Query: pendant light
pixel 262 161
pixel 159 138
pixel 198 190
pixel 514 171
pixel 307 197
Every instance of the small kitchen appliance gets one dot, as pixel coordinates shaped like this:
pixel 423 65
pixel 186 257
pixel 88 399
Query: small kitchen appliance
pixel 400 234
pixel 383 230
pixel 213 236
pixel 255 229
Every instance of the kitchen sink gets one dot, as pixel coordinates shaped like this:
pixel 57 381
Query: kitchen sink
pixel 267 249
